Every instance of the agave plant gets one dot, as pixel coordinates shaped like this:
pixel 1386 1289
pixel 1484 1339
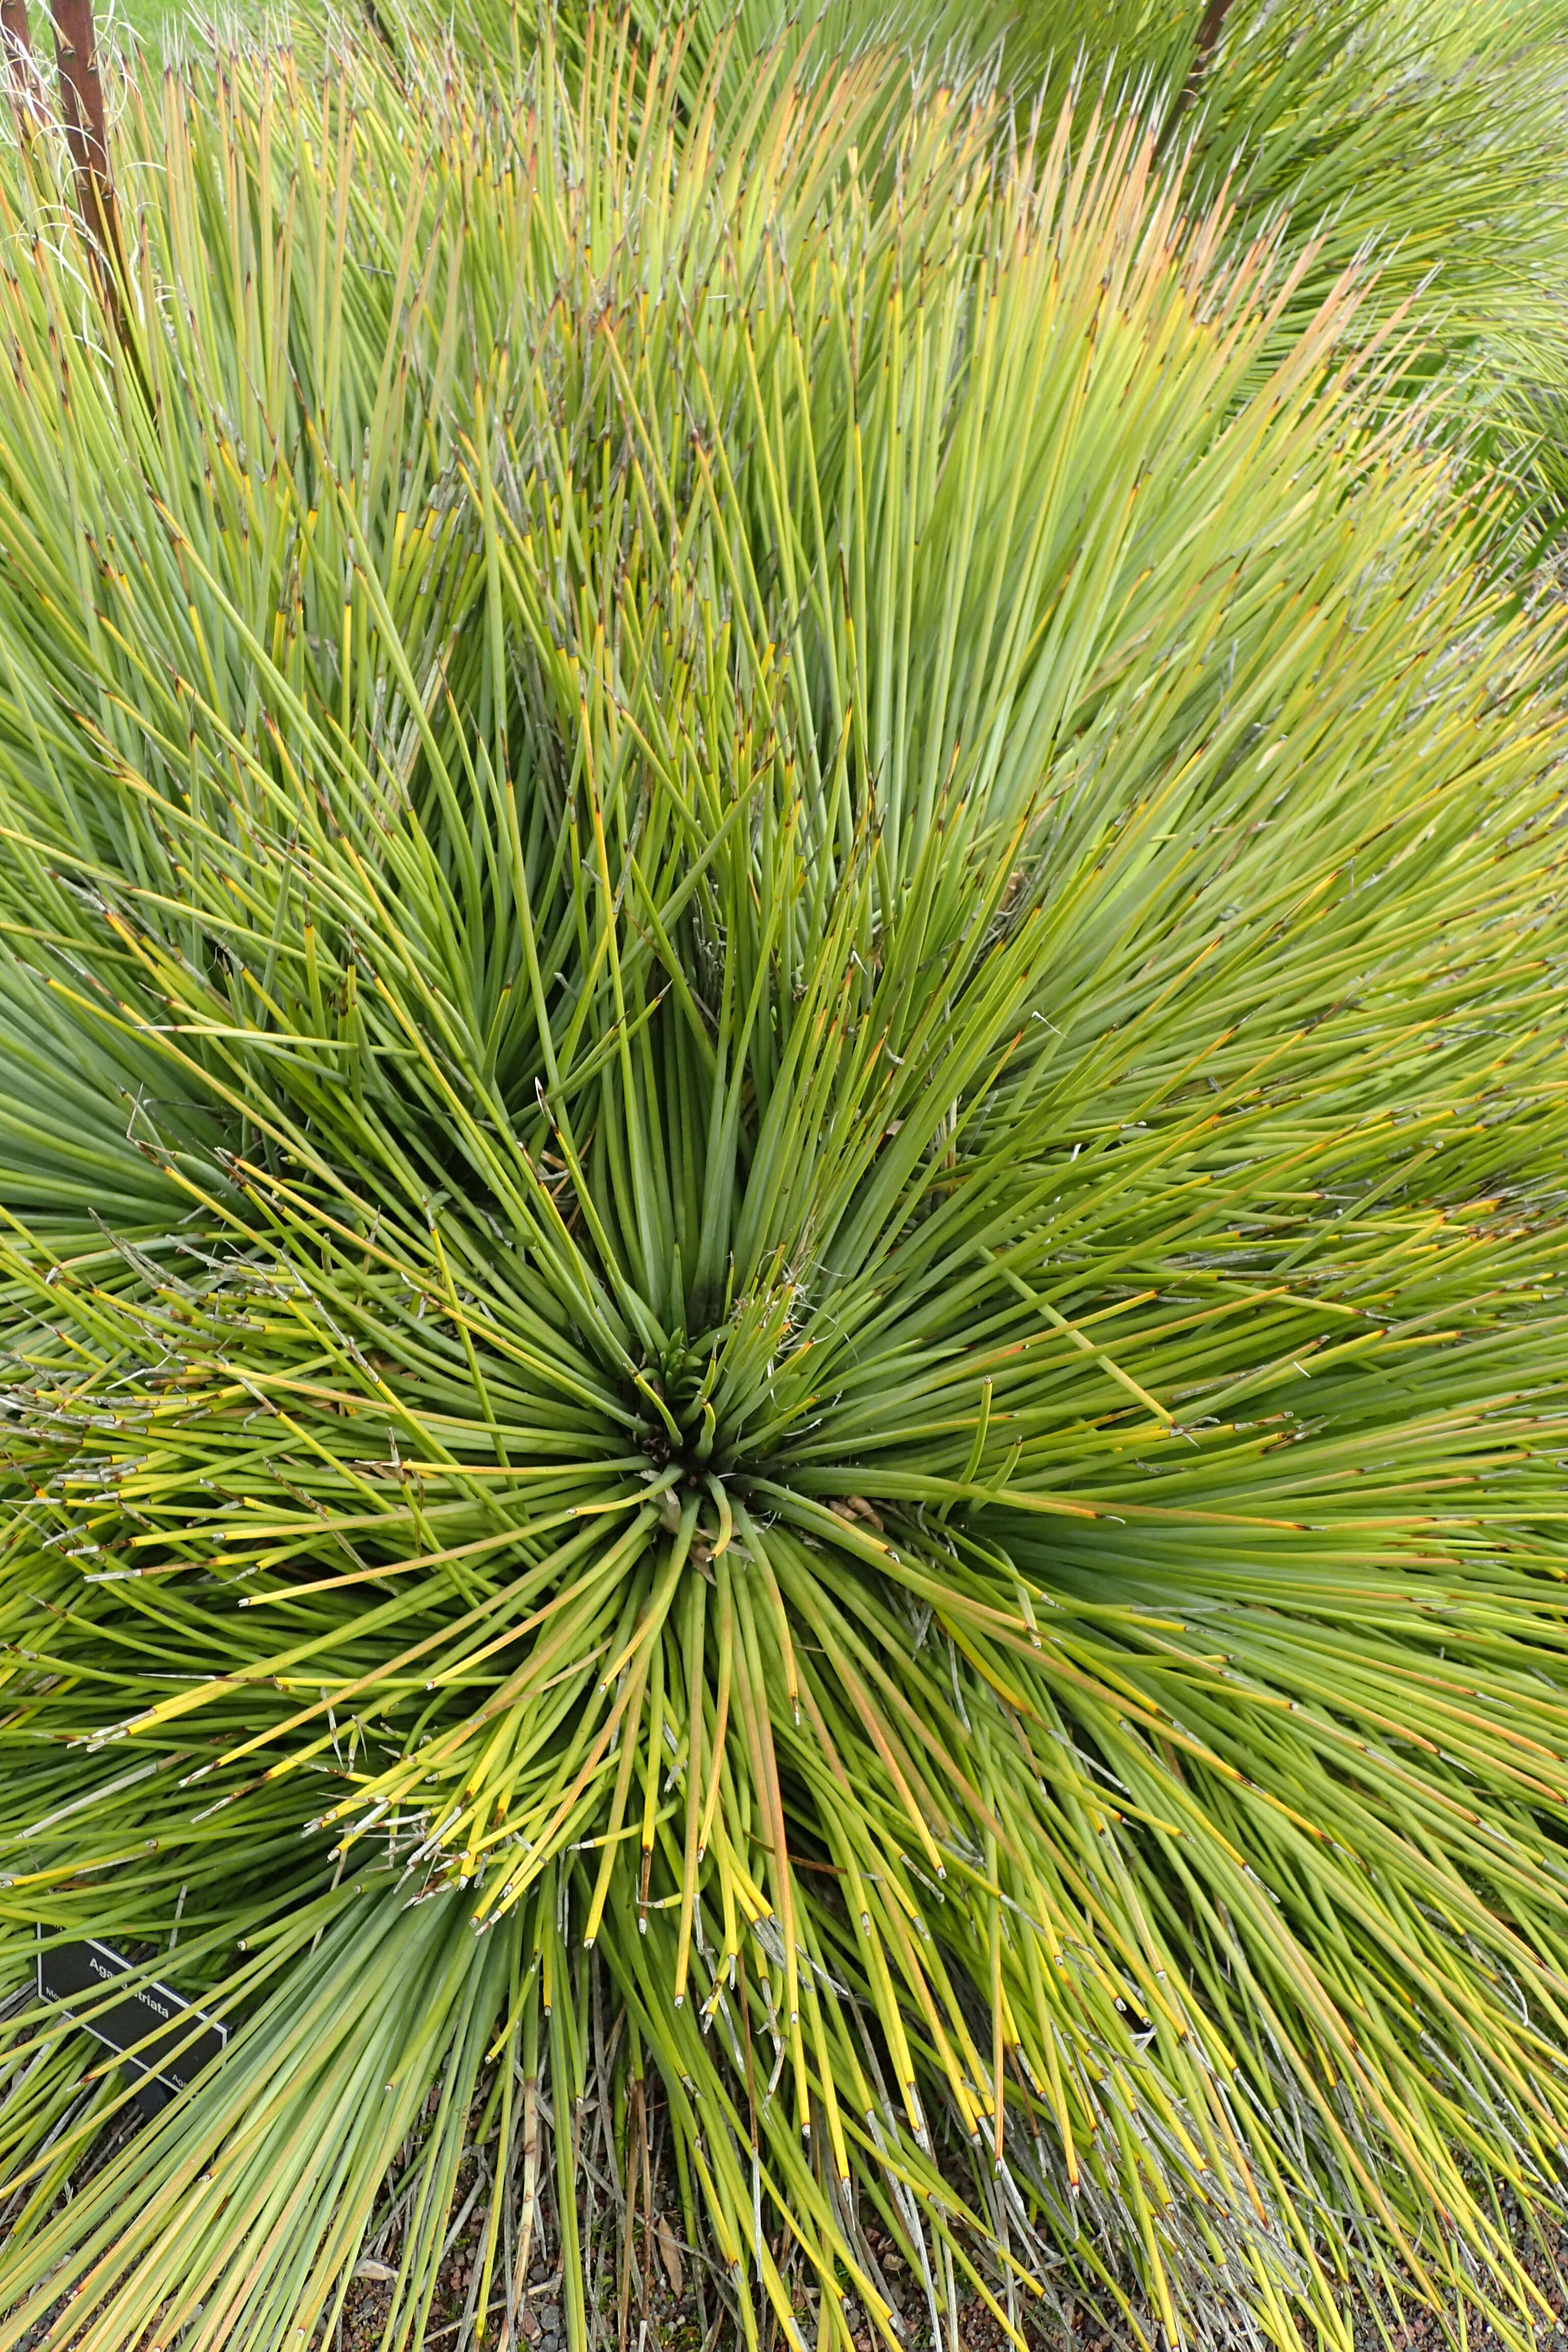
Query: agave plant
pixel 1427 133
pixel 780 1141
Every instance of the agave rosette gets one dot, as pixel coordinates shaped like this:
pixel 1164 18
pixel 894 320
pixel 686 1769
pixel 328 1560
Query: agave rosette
pixel 780 1131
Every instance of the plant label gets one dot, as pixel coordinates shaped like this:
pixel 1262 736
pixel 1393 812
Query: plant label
pixel 176 2038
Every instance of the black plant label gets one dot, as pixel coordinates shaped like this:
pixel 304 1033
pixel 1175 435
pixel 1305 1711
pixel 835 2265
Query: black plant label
pixel 163 2035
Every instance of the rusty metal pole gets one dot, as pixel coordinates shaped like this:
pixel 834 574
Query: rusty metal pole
pixel 1209 31
pixel 87 132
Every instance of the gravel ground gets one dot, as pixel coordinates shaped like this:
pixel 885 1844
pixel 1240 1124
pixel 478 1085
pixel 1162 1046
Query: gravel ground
pixel 672 2321
pixel 668 2309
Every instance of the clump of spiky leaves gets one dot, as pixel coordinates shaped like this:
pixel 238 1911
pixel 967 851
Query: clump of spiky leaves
pixel 1429 133
pixel 780 1127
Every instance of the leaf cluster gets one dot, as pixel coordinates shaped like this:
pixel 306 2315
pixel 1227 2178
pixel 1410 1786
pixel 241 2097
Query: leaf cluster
pixel 781 1122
